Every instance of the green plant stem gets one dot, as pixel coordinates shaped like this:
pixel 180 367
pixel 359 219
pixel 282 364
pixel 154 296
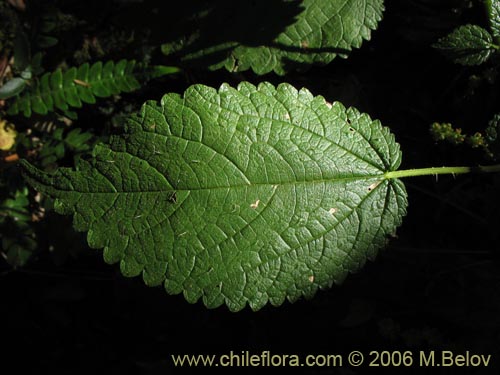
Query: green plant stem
pixel 441 170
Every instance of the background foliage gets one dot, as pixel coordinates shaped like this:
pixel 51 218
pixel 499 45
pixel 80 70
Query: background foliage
pixel 435 287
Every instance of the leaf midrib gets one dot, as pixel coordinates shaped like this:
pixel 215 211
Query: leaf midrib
pixel 381 177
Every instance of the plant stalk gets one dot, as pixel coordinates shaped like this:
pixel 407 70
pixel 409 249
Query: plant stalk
pixel 434 171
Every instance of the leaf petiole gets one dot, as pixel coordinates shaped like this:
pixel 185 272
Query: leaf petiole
pixel 441 170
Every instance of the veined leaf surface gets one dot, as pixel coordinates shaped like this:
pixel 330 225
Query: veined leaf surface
pixel 273 35
pixel 236 196
pixel 467 45
pixel 493 7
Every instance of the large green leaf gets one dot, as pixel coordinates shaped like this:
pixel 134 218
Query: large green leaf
pixel 273 35
pixel 237 196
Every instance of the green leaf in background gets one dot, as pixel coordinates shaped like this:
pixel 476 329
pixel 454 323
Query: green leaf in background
pixel 12 87
pixel 494 16
pixel 75 143
pixel 275 35
pixel 22 53
pixel 18 242
pixel 467 45
pixel 19 249
pixel 237 196
pixel 78 85
pixel 492 136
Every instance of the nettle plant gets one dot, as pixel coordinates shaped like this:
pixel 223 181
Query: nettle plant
pixel 252 194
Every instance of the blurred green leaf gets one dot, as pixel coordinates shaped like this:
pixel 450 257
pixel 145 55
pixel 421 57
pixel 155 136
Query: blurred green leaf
pixel 45 41
pixel 494 16
pixel 467 45
pixel 18 250
pixel 13 87
pixel 492 136
pixel 22 55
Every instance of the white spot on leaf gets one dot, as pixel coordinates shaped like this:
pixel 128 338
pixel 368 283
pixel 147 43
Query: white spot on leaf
pixel 311 278
pixel 374 185
pixel 255 204
pixel 332 210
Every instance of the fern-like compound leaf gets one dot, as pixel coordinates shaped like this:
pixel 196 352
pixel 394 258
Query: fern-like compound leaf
pixel 275 35
pixel 62 90
pixel 237 196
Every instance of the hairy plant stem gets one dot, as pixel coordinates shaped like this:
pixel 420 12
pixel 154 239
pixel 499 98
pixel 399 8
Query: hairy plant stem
pixel 441 170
